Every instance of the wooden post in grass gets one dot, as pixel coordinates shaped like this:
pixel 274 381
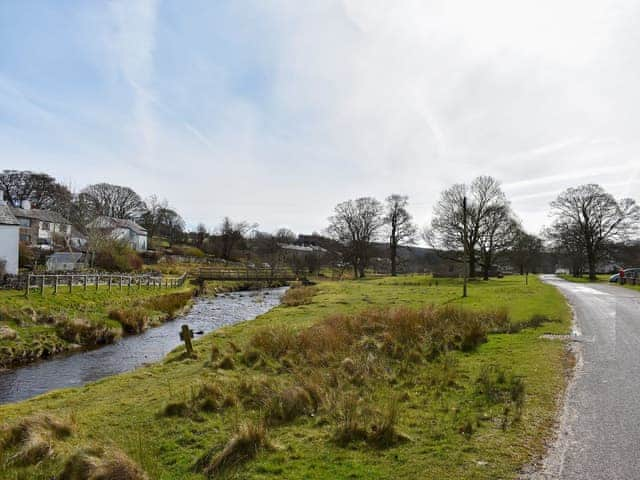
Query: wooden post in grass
pixel 42 287
pixel 84 283
pixel 464 246
pixel 70 283
pixel 97 277
pixel 55 286
pixel 110 278
pixel 26 294
pixel 186 335
pixel 120 283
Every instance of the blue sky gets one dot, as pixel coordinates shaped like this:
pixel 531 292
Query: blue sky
pixel 274 111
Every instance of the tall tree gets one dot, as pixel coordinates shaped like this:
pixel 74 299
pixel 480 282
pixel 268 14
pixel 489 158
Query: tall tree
pixel 356 224
pixel 42 190
pixel 497 233
pixel 112 201
pixel 231 233
pixel 594 218
pixel 400 224
pixel 448 232
pixel 525 251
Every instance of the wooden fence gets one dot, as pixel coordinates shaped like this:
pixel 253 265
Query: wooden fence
pixel 58 283
pixel 247 274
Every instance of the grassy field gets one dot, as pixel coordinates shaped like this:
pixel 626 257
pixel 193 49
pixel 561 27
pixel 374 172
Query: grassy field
pixel 482 411
pixel 39 326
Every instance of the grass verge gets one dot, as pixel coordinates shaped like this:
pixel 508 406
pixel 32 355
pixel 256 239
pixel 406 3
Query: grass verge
pixel 383 378
pixel 40 326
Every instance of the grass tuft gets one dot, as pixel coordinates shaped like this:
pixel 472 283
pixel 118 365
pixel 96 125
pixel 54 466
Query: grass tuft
pixel 101 464
pixel 247 441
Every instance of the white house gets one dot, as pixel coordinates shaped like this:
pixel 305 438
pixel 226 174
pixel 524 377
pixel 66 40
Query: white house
pixel 126 230
pixel 9 235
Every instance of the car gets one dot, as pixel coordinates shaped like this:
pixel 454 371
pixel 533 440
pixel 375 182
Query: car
pixel 628 273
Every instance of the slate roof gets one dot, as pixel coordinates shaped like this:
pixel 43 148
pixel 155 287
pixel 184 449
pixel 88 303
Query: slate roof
pixel 65 257
pixel 110 222
pixel 42 215
pixel 6 217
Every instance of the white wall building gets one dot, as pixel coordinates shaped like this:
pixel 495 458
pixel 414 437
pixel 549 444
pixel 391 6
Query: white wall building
pixel 126 230
pixel 9 234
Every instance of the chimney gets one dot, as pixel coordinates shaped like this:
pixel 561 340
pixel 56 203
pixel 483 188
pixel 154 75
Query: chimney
pixel 26 205
pixel 1 198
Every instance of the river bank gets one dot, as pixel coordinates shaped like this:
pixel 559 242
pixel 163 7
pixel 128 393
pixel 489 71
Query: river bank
pixel 205 314
pixel 38 327
pixel 337 387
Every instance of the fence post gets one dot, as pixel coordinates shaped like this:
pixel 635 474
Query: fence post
pixel 71 284
pixel 84 283
pixel 120 282
pixel 97 277
pixel 28 285
pixel 55 286
pixel 129 285
pixel 110 278
pixel 42 287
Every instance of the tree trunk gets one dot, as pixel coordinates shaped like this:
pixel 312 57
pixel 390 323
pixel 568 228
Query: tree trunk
pixel 522 269
pixel 485 272
pixel 355 270
pixel 393 249
pixel 472 265
pixel 592 267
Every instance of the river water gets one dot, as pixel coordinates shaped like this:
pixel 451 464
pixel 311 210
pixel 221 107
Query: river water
pixel 129 353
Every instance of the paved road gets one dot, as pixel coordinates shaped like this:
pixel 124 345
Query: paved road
pixel 599 434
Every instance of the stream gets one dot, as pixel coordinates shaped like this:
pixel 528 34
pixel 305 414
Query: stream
pixel 129 353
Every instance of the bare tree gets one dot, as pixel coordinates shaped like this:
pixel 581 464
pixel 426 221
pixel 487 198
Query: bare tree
pixel 456 235
pixel 525 251
pixel 159 219
pixel 201 234
pixel 400 224
pixel 112 201
pixel 285 235
pixel 356 224
pixel 594 219
pixel 231 234
pixel 497 233
pixel 40 189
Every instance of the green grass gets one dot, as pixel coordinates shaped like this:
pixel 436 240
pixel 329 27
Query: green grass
pixel 585 278
pixel 123 410
pixel 36 318
pixel 601 278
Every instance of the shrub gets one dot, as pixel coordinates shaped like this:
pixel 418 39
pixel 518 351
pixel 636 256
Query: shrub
pixel 383 431
pixel 116 256
pixel 84 332
pixel 177 409
pixel 33 438
pixel 289 404
pixel 244 445
pixel 169 303
pixel 298 296
pixel 274 341
pixel 133 320
pixel 210 397
pixel 101 464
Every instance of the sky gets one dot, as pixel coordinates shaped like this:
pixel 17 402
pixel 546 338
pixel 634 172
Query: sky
pixel 274 111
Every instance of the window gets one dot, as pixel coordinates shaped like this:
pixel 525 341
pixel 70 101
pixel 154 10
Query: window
pixel 24 222
pixel 25 237
pixel 45 225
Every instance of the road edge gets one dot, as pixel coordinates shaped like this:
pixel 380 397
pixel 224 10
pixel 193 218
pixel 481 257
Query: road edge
pixel 551 463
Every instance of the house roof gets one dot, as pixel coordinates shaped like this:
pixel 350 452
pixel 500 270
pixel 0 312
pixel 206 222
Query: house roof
pixel 6 217
pixel 65 257
pixel 42 215
pixel 110 222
